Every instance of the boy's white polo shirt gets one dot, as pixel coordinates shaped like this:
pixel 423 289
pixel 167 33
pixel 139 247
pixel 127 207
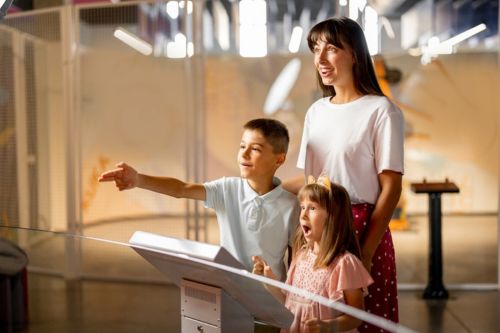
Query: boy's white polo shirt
pixel 253 225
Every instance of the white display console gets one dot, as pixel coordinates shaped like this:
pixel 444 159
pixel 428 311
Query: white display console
pixel 213 299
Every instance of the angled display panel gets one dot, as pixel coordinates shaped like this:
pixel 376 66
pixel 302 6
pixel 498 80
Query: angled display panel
pixel 184 260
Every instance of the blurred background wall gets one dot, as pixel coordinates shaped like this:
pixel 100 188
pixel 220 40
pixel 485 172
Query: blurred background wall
pixel 77 97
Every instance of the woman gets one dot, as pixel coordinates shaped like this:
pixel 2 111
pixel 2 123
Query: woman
pixel 355 135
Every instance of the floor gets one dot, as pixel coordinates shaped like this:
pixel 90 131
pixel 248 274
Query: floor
pixel 58 306
pixel 121 292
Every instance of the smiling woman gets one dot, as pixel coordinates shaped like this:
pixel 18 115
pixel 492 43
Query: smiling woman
pixel 354 135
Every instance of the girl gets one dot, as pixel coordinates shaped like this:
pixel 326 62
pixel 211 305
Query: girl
pixel 325 261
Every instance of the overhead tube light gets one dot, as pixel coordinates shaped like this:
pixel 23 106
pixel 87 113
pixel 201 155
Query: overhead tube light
pixel 446 47
pixel 172 9
pixel 295 39
pixel 435 47
pixel 464 35
pixel 386 24
pixel 4 6
pixel 133 41
pixel 371 30
pixel 253 29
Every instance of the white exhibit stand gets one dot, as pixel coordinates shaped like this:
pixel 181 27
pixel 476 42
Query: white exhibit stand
pixel 213 299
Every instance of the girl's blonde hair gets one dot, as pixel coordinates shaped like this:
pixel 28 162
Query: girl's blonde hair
pixel 338 232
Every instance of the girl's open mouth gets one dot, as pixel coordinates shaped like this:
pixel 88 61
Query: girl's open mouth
pixel 306 229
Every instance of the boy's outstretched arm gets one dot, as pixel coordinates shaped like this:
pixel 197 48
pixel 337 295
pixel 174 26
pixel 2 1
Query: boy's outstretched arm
pixel 126 177
pixel 260 267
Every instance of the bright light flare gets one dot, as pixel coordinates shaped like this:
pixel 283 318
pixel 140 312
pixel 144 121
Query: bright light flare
pixel 371 30
pixel 182 4
pixel 173 9
pixel 133 41
pixel 253 30
pixel 295 39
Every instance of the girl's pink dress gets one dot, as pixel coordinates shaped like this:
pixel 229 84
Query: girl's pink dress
pixel 345 272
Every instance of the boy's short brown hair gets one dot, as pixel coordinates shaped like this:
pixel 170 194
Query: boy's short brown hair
pixel 274 131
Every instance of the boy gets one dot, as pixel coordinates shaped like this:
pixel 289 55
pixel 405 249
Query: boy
pixel 256 215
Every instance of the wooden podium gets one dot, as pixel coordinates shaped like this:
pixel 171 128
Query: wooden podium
pixel 217 295
pixel 435 288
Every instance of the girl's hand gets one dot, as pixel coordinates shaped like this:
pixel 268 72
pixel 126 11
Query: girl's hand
pixel 316 326
pixel 260 267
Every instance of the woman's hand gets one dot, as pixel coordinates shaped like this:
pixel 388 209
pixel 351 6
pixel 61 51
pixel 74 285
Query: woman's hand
pixel 390 191
pixel 366 259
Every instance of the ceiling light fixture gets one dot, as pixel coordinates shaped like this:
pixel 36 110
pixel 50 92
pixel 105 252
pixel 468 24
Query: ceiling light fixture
pixel 4 6
pixel 133 41
pixel 435 47
pixel 295 39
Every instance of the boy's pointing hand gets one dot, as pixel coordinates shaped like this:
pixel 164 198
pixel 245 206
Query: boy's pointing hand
pixel 124 176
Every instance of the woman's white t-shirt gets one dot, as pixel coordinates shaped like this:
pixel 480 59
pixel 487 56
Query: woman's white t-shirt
pixel 353 143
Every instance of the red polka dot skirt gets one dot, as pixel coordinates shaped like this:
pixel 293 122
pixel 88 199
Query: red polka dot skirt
pixel 382 299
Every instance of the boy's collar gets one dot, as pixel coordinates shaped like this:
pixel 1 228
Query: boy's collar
pixel 271 195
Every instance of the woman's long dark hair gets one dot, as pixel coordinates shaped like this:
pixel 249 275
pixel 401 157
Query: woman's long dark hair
pixel 345 33
pixel 338 232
